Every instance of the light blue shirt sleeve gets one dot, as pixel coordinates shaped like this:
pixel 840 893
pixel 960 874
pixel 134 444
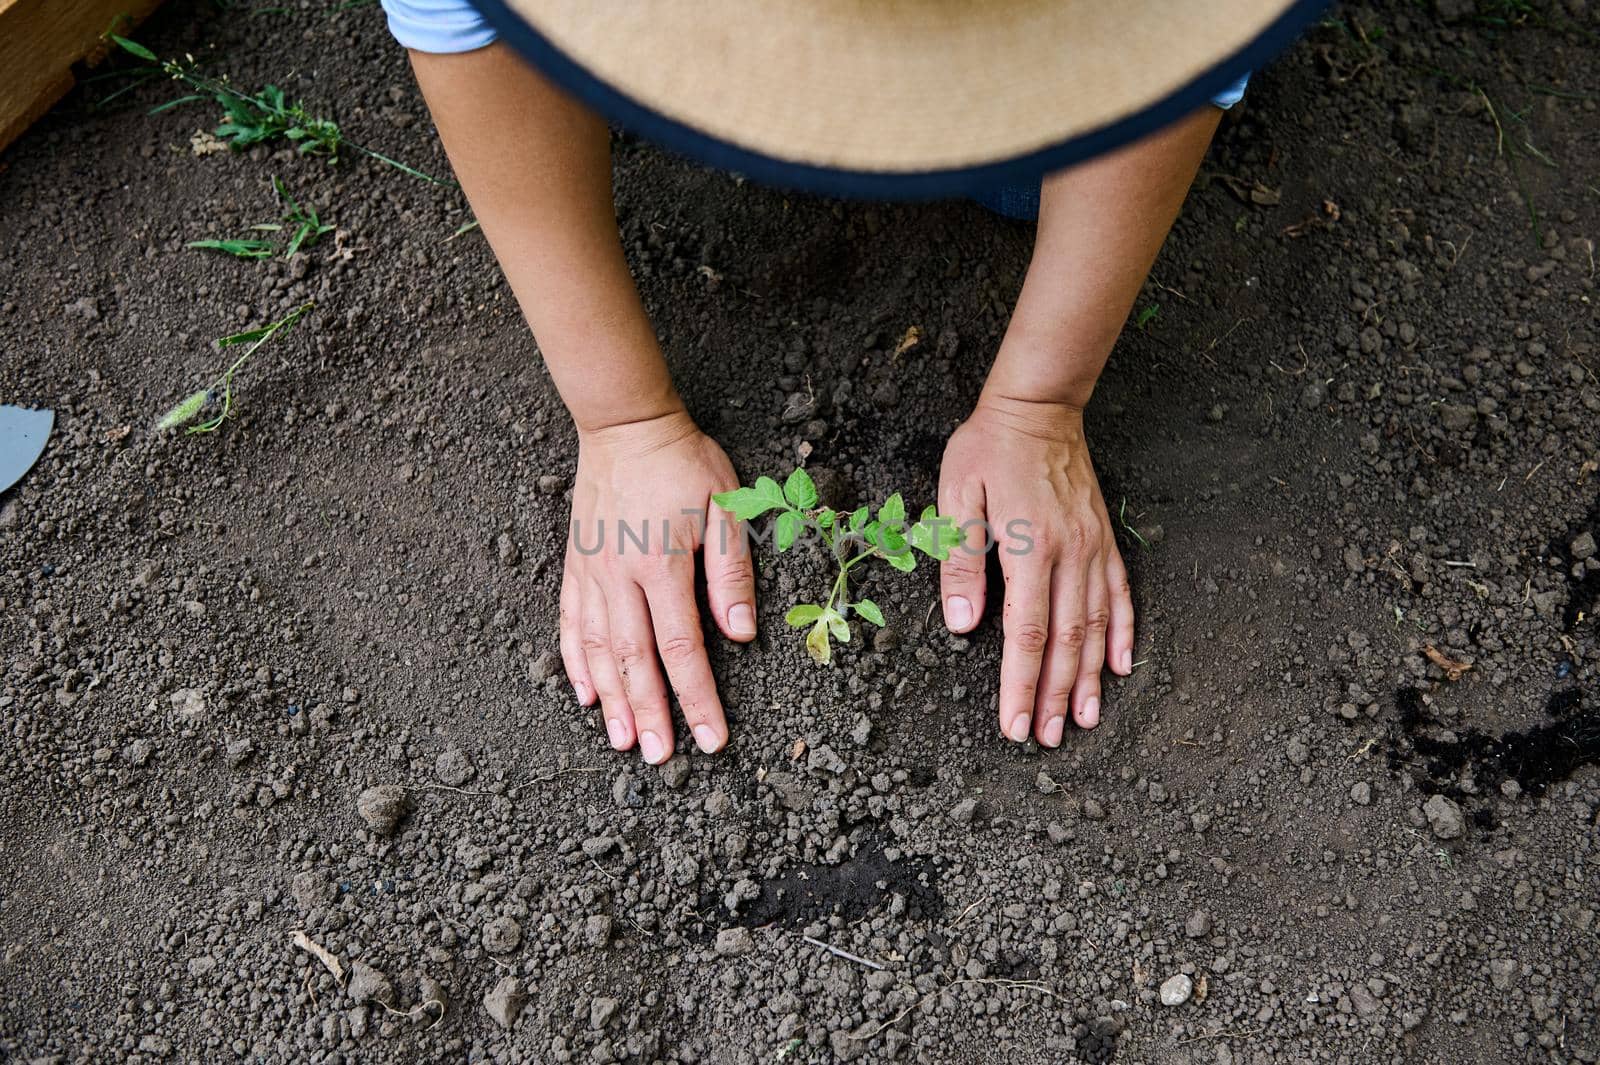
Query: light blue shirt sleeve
pixel 437 25
pixel 1232 94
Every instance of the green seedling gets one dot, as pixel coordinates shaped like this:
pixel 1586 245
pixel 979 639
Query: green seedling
pixel 305 228
pixel 1147 315
pixel 1122 516
pixel 249 119
pixel 192 405
pixel 248 248
pixel 302 224
pixel 852 539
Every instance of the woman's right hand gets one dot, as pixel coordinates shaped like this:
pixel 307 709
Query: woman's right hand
pixel 641 509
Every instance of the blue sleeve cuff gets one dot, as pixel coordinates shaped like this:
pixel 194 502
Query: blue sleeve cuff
pixel 1232 94
pixel 437 25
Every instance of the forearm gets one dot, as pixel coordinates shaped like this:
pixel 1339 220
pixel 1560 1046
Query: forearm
pixel 536 167
pixel 1101 224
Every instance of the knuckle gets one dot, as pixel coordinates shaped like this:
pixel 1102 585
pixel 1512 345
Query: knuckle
pixel 1098 620
pixel 1120 588
pixel 1074 541
pixel 737 571
pixel 595 642
pixel 678 648
pixel 626 650
pixel 1070 637
pixel 1030 636
pixel 963 566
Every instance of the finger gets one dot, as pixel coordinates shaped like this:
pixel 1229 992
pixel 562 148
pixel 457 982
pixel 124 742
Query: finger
pixel 571 630
pixel 961 576
pixel 676 620
pixel 730 578
pixel 1096 620
pixel 1059 671
pixel 1119 637
pixel 595 642
pixel 1026 622
pixel 633 648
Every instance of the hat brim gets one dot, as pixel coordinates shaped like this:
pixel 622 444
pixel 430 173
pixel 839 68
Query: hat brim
pixel 651 121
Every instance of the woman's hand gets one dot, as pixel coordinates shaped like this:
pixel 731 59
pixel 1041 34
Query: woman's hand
pixel 1020 471
pixel 641 509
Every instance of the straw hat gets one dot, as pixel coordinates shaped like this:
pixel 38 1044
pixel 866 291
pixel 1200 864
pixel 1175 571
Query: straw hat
pixel 896 97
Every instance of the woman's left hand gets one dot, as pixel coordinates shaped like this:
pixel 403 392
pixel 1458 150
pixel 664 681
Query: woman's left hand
pixel 1019 472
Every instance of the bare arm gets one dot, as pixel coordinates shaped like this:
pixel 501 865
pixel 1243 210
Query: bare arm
pixel 1022 456
pixel 536 166
pixel 1100 226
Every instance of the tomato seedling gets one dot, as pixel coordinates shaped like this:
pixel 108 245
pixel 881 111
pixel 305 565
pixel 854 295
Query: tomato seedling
pixel 852 538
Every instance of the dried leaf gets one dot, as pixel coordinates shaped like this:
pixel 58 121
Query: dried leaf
pixel 912 337
pixel 798 750
pixel 1251 191
pixel 1262 196
pixel 321 953
pixel 1452 668
pixel 1201 988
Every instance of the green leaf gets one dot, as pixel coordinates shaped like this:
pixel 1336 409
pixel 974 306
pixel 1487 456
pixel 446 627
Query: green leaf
pixel 170 104
pixel 768 489
pixel 242 249
pixel 893 511
pixel 871 532
pixel 869 610
pixel 298 239
pixel 799 489
pixel 135 47
pixel 789 526
pixel 744 503
pixel 892 541
pixel 804 614
pixel 184 411
pixel 817 643
pixel 905 562
pixel 838 626
pixel 935 534
pixel 859 519
pixel 826 518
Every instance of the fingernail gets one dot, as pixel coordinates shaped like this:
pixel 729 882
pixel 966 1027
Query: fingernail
pixel 1018 729
pixel 1089 716
pixel 617 732
pixel 957 612
pixel 651 747
pixel 1053 730
pixel 706 738
pixel 742 619
pixel 1127 661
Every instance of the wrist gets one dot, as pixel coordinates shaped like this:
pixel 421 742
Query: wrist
pixel 639 432
pixel 1044 419
pixel 641 405
pixel 1046 375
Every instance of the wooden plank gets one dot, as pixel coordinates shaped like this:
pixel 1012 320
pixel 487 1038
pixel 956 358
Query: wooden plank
pixel 41 40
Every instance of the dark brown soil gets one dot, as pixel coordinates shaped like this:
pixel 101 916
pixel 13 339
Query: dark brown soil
pixel 1363 424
